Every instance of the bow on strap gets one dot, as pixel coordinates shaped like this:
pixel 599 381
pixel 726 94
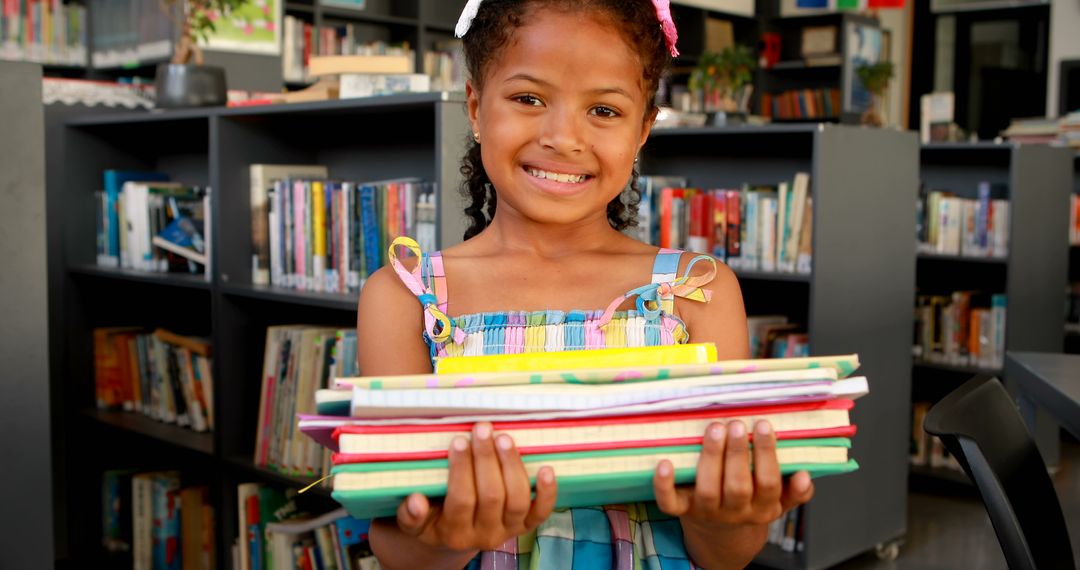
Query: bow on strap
pixel 437 325
pixel 649 296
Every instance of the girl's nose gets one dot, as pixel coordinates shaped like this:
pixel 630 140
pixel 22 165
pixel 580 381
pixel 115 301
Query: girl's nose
pixel 562 132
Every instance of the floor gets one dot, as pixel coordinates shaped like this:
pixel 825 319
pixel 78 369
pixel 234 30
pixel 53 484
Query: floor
pixel 951 530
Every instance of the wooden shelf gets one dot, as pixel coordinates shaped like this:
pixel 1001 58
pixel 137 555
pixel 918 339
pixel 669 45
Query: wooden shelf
pixel 343 302
pixel 143 425
pixel 164 279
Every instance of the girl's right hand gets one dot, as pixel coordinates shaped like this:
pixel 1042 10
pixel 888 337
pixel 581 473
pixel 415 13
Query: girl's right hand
pixel 488 497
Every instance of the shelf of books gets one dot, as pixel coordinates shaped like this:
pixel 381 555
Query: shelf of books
pixel 806 216
pixel 989 221
pixel 278 215
pixel 186 237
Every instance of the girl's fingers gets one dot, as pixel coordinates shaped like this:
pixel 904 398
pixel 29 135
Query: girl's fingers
pixel 799 490
pixel 490 492
pixel 670 500
pixel 515 481
pixel 767 481
pixel 710 470
pixel 460 502
pixel 414 514
pixel 738 484
pixel 547 490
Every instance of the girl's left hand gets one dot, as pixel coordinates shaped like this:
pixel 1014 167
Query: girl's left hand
pixel 727 494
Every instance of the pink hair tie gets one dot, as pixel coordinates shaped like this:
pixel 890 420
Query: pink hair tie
pixel 663 13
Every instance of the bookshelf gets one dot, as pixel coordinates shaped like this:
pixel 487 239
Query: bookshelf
pixel 793 71
pixel 1072 325
pixel 1036 181
pixel 856 299
pixel 418 135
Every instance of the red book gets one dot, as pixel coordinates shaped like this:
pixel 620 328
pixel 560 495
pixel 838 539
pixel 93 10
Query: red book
pixel 360 444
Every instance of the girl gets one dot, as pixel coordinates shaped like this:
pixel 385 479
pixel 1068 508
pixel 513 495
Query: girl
pixel 560 100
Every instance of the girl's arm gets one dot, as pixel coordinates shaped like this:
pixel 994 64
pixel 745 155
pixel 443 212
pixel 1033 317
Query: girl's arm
pixel 488 498
pixel 726 513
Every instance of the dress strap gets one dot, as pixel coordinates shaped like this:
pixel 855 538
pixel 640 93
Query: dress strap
pixel 437 326
pixel 664 270
pixel 650 298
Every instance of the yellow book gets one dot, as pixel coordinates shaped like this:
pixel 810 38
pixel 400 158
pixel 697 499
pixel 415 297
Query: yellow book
pixel 318 222
pixel 599 358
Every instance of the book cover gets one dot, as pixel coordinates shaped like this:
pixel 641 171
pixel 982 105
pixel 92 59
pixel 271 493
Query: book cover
pixel 598 358
pixel 263 178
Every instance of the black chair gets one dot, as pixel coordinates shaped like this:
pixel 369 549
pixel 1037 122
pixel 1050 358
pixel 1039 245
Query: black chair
pixel 980 425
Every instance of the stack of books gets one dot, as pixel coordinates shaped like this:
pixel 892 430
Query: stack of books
pixel 602 419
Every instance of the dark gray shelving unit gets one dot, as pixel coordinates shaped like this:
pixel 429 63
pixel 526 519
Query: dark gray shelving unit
pixel 857 298
pixel 1037 181
pixel 1072 327
pixel 421 135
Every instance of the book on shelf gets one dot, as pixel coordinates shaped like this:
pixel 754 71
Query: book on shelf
pixel 162 523
pixel 43 32
pixel 356 85
pixel 298 361
pixel 358 63
pixel 755 228
pixel 159 374
pixel 964 328
pixel 445 65
pixel 606 432
pixel 772 336
pixel 786 532
pixel 263 178
pixel 148 224
pixel 276 534
pixel 969 227
pixel 329 236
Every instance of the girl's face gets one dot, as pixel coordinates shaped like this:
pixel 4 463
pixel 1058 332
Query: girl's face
pixel 562 117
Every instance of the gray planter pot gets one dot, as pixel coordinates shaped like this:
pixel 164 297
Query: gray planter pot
pixel 183 85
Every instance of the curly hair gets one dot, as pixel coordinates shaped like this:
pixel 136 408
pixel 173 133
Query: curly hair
pixel 492 29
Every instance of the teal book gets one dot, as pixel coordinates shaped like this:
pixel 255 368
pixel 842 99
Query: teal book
pixel 585 478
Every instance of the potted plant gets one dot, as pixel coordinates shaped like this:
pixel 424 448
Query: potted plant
pixel 722 81
pixel 186 81
pixel 875 78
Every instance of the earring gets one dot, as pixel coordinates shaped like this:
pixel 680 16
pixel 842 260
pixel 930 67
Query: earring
pixel 476 136
pixel 635 160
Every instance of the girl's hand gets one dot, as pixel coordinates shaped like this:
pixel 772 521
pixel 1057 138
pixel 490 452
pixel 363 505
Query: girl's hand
pixel 727 496
pixel 488 497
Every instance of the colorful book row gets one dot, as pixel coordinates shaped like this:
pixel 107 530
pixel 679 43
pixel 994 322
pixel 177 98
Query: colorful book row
pixel 802 104
pixel 162 525
pixel 963 329
pixel 951 225
pixel 43 31
pixel 756 228
pixel 275 534
pixel 324 235
pixel 163 375
pixel 299 360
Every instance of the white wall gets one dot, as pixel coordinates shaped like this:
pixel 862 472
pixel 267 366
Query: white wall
pixel 1064 44
pixel 896 22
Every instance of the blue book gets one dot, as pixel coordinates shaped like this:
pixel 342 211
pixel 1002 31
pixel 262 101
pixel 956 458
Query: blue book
pixel 369 224
pixel 981 217
pixel 114 183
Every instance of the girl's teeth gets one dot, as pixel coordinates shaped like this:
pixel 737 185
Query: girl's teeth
pixel 564 178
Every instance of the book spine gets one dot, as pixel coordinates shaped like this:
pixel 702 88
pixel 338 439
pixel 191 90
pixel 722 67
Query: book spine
pixel 319 229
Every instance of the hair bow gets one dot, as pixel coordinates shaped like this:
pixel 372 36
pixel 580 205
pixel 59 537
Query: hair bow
pixel 671 35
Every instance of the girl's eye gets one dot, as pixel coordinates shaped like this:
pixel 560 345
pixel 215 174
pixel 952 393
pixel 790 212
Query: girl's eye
pixel 605 112
pixel 527 99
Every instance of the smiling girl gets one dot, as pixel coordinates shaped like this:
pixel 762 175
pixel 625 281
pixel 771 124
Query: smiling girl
pixel 560 100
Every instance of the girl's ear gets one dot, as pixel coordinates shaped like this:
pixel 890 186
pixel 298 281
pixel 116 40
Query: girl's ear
pixel 647 125
pixel 472 101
